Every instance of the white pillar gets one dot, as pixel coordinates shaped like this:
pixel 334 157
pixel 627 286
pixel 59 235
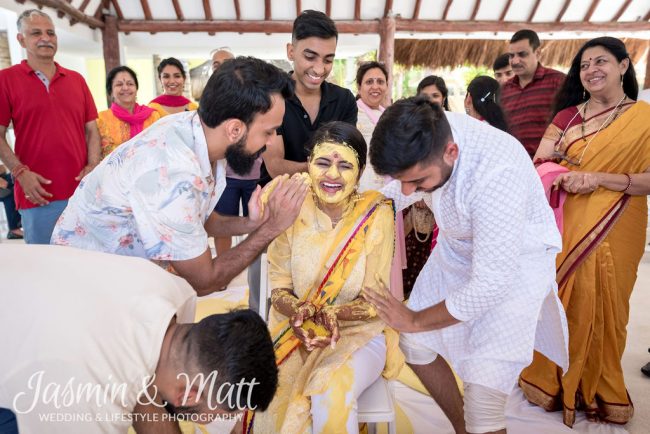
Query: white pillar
pixel 8 21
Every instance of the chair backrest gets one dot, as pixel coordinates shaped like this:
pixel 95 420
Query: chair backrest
pixel 265 287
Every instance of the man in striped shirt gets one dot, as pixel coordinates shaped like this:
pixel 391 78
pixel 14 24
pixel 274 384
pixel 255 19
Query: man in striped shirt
pixel 527 98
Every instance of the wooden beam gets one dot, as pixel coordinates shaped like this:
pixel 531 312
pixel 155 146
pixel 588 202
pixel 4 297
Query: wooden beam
pixel 68 9
pixel 427 26
pixel 146 9
pixel 110 43
pixel 388 7
pixel 416 9
pixel 267 10
pixel 207 10
pixel 475 11
pixel 328 8
pixel 118 9
pixel 178 10
pixel 534 11
pixel 298 7
pixel 446 11
pixel 621 10
pixel 357 10
pixel 84 5
pixel 372 26
pixel 61 14
pixel 590 11
pixel 647 16
pixel 565 6
pixel 386 53
pixel 505 10
pixel 237 10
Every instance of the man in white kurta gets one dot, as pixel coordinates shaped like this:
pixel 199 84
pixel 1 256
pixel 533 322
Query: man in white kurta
pixel 487 295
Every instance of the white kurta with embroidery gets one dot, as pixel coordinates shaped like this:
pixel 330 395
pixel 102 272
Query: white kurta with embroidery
pixel 494 263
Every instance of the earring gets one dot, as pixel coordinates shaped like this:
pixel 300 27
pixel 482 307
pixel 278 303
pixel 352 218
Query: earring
pixel 622 80
pixel 584 94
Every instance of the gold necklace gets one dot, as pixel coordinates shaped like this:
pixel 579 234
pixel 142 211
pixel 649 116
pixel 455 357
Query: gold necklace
pixel 613 115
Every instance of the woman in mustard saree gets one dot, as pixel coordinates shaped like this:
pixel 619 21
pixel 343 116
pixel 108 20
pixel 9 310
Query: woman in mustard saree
pixel 329 343
pixel 603 137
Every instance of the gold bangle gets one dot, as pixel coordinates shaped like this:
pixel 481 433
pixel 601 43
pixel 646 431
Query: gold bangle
pixel 629 183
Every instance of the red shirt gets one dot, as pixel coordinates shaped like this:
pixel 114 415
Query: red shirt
pixel 528 110
pixel 49 125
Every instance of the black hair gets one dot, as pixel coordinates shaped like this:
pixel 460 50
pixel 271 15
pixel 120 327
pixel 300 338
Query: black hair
pixel 411 131
pixel 532 37
pixel 236 346
pixel 501 62
pixel 485 93
pixel 367 66
pixel 438 82
pixel 343 133
pixel 110 77
pixel 173 62
pixel 573 92
pixel 240 89
pixel 312 23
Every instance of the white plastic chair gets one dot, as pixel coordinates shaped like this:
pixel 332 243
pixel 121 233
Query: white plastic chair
pixel 376 405
pixel 265 290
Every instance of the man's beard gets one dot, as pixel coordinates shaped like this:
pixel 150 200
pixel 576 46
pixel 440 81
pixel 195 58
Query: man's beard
pixel 445 173
pixel 239 159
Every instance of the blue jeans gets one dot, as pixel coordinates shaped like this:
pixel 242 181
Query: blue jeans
pixel 13 217
pixel 236 190
pixel 8 423
pixel 38 222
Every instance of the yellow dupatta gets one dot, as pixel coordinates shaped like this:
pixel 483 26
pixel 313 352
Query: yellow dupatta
pixel 345 251
pixel 603 241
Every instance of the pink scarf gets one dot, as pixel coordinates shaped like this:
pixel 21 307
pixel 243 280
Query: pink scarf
pixel 556 197
pixel 372 114
pixel 171 100
pixel 136 120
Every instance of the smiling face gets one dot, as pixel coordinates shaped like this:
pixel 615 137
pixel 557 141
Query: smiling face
pixel 38 38
pixel 334 171
pixel 312 59
pixel 172 80
pixel 373 88
pixel 124 89
pixel 600 71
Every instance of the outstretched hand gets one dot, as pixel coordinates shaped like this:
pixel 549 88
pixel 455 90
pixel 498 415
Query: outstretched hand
pixel 285 202
pixel 392 311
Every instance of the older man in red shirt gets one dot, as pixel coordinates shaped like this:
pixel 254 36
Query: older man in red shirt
pixel 527 98
pixel 54 119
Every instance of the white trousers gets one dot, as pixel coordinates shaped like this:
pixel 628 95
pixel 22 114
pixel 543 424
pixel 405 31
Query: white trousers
pixel 484 407
pixel 335 410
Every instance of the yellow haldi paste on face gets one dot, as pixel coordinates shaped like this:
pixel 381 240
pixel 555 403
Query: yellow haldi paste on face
pixel 332 181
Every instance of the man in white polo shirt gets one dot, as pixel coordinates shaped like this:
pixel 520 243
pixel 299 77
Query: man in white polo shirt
pixel 94 343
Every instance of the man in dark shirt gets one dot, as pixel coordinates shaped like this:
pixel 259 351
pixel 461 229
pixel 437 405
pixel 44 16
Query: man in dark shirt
pixel 528 97
pixel 316 102
pixel 312 49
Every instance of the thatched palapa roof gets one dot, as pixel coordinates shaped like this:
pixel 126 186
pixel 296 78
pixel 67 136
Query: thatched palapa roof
pixel 440 53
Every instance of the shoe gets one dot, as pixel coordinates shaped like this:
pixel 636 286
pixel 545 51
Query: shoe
pixel 646 369
pixel 14 236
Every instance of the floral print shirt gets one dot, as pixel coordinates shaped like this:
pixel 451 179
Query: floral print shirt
pixel 150 197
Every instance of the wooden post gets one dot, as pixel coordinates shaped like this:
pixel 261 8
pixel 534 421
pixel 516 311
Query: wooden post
pixel 110 42
pixel 646 84
pixel 387 51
